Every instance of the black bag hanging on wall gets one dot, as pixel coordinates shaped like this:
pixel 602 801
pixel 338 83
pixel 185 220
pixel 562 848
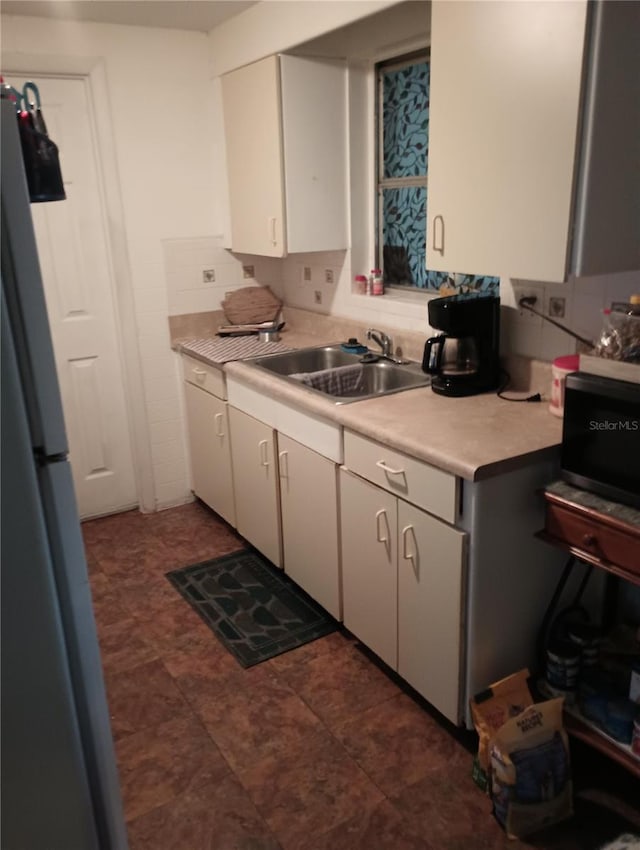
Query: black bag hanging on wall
pixel 39 153
pixel 41 158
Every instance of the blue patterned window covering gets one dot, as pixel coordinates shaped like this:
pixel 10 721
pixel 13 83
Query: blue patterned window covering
pixel 402 187
pixel 406 121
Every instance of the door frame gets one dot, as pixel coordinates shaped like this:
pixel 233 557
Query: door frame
pixel 92 70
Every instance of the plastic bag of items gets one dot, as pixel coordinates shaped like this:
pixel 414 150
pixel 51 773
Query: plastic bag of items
pixel 620 335
pixel 530 770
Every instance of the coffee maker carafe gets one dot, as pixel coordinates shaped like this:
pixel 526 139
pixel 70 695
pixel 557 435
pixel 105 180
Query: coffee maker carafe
pixel 464 358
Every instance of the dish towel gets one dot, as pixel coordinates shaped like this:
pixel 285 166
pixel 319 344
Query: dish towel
pixel 342 380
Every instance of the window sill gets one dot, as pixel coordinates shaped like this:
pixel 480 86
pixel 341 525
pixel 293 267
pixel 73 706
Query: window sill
pixel 406 310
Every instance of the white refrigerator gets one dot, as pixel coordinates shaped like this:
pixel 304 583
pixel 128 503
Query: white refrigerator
pixel 59 781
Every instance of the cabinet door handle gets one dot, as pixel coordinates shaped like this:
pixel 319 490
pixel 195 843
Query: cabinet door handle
pixel 218 424
pixel 272 231
pixel 200 375
pixel 379 536
pixel 283 462
pixel 438 245
pixel 264 457
pixel 405 548
pixel 389 469
pixel 409 556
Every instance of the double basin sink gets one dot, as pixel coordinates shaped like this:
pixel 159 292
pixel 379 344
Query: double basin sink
pixel 345 376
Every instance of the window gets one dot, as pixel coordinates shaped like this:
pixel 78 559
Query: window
pixel 403 146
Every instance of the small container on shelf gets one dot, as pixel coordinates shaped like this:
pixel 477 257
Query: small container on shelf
pixel 360 284
pixel 378 283
pixel 595 691
pixel 560 368
pixel 562 669
pixel 587 637
pixel 619 719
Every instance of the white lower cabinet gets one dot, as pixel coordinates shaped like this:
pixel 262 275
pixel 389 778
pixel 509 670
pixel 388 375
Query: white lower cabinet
pixel 308 500
pixel 431 605
pixel 255 478
pixel 403 589
pixel 369 529
pixel 209 444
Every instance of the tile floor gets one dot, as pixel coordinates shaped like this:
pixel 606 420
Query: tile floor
pixel 318 749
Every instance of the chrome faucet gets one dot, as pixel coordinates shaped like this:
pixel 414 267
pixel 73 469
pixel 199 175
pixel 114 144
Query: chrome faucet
pixel 383 341
pixel 386 345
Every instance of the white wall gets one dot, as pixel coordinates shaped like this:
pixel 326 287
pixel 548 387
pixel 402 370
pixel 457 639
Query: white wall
pixel 162 121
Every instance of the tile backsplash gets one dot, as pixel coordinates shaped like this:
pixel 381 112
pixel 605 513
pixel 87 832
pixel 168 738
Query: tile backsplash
pixel 200 271
pixel 581 300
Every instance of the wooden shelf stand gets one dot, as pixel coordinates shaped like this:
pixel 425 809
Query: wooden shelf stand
pixel 607 536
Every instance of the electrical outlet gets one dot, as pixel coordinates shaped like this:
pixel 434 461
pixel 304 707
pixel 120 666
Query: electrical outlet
pixel 248 271
pixel 328 275
pixel 306 274
pixel 208 275
pixel 522 290
pixel 557 307
pixel 317 296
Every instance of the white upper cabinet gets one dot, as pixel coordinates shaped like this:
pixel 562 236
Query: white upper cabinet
pixel 607 217
pixel 285 130
pixel 252 122
pixel 509 170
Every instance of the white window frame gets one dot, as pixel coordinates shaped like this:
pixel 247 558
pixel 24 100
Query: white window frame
pixel 394 64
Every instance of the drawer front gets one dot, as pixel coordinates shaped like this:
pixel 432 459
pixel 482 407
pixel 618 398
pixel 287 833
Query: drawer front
pixel 610 546
pixel 208 378
pixel 412 480
pixel 312 431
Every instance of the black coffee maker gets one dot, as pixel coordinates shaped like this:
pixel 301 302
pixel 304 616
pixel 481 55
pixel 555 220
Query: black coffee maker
pixel 464 358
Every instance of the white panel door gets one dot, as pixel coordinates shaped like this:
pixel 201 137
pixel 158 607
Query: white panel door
pixel 431 561
pixel 504 109
pixel 209 444
pixel 255 480
pixel 309 504
pixel 77 274
pixel 369 530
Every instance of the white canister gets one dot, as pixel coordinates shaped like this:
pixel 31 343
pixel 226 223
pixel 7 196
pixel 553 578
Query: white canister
pixel 560 368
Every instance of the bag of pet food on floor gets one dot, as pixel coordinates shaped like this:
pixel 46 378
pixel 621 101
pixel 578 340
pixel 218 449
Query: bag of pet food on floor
pixel 490 709
pixel 530 770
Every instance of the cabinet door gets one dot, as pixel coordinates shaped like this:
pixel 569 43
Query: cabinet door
pixel 252 123
pixel 369 565
pixel 504 109
pixel 314 118
pixel 431 562
pixel 309 505
pixel 608 189
pixel 255 478
pixel 208 428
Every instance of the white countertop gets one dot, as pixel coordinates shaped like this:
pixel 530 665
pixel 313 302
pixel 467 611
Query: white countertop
pixel 474 437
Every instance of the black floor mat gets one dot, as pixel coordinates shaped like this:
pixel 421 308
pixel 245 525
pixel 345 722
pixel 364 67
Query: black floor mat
pixel 253 608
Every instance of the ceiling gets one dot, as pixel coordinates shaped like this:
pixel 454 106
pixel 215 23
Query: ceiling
pixel 198 15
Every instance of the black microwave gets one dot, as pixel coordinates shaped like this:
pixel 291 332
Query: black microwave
pixel 601 437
